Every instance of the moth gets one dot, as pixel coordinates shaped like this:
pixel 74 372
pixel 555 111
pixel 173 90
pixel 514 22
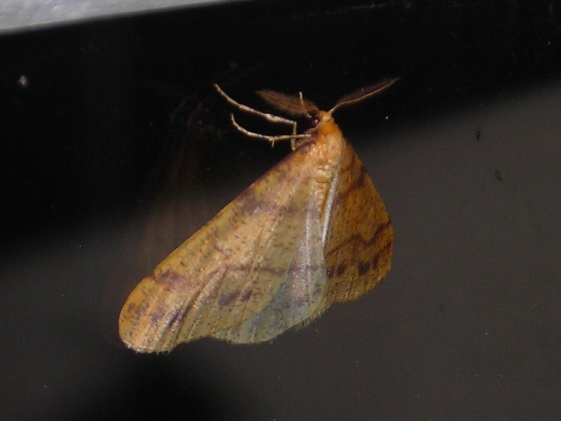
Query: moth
pixel 310 232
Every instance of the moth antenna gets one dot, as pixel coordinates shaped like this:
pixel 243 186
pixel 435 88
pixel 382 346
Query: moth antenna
pixel 295 106
pixel 363 93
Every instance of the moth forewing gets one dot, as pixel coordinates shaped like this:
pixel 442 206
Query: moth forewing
pixel 299 294
pixel 227 271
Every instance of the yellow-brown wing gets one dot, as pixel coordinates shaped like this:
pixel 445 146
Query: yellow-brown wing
pixel 359 238
pixel 300 292
pixel 229 270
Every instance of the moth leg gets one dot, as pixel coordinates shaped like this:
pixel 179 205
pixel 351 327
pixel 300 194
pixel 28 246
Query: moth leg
pixel 303 103
pixel 292 137
pixel 270 117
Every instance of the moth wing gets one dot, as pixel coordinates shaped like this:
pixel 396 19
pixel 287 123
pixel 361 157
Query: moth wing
pixel 299 294
pixel 359 239
pixel 229 270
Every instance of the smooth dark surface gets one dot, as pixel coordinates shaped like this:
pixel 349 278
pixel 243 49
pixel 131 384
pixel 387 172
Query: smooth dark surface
pixel 464 150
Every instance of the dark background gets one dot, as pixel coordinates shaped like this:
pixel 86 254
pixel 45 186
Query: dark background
pixel 114 148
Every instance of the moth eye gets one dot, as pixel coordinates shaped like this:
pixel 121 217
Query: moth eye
pixel 314 122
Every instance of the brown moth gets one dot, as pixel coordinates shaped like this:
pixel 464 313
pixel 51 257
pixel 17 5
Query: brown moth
pixel 310 232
